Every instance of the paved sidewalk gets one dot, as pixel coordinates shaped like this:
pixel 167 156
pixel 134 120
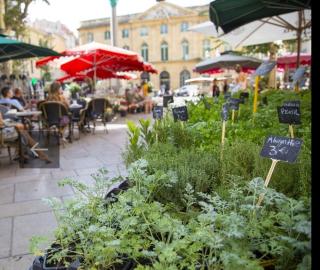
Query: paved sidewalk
pixel 22 211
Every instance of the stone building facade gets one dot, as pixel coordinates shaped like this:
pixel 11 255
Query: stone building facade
pixel 161 36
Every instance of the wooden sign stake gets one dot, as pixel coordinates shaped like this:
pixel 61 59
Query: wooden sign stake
pixel 223 132
pixel 266 183
pixel 296 88
pixel 291 131
pixel 232 116
pixel 255 100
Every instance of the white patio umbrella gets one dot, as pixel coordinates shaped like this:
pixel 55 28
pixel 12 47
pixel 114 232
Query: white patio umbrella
pixel 261 31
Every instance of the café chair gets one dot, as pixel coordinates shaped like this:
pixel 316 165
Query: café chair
pixel 96 111
pixel 78 118
pixel 56 117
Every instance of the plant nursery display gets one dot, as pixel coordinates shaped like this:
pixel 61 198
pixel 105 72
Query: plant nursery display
pixel 189 200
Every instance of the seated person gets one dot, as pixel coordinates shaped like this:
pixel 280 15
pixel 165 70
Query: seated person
pixel 130 100
pixel 10 133
pixel 56 94
pixel 6 99
pixel 19 97
pixel 139 99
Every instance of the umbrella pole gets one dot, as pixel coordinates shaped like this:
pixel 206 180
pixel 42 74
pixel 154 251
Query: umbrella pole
pixel 299 32
pixel 255 99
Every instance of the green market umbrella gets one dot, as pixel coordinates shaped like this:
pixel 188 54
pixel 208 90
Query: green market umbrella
pixel 231 14
pixel 11 49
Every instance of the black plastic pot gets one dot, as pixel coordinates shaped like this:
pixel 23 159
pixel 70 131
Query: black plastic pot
pixel 40 263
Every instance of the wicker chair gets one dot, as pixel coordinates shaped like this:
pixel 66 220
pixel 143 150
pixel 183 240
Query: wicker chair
pixel 96 110
pixel 53 112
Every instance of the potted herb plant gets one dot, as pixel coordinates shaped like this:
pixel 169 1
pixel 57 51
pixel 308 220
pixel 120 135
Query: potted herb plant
pixel 74 89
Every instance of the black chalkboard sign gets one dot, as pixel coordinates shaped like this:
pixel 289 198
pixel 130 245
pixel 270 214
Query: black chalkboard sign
pixel 265 101
pixel 180 113
pixel 227 95
pixel 234 103
pixel 265 68
pixel 157 112
pixel 225 112
pixel 292 103
pixel 166 100
pixel 281 148
pixel 244 95
pixel 289 115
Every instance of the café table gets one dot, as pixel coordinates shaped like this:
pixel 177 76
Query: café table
pixel 25 116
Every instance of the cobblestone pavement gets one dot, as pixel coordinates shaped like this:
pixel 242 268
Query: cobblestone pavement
pixel 22 211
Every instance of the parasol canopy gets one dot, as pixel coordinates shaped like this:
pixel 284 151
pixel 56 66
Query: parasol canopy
pixel 289 60
pixel 232 14
pixel 215 64
pixel 12 49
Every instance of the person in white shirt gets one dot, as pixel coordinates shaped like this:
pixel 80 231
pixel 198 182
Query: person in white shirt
pixel 7 95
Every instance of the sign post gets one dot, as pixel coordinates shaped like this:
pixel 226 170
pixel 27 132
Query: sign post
pixel 224 116
pixel 232 117
pixel 289 114
pixel 291 131
pixel 264 69
pixel 279 149
pixel 297 76
pixel 266 183
pixel 255 99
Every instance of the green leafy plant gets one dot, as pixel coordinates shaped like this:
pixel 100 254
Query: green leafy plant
pixel 211 233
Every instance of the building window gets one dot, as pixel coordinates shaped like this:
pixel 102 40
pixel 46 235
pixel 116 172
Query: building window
pixel 143 31
pixel 164 51
pixel 165 81
pixel 184 75
pixel 90 37
pixel 125 33
pixel 185 50
pixel 184 27
pixel 126 47
pixel 163 29
pixel 145 51
pixel 107 35
pixel 206 48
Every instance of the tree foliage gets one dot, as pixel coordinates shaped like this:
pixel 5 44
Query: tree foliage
pixel 16 11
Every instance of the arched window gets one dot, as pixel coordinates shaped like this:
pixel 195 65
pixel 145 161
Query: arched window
pixel 185 49
pixel 145 51
pixel 145 76
pixel 206 48
pixel 165 80
pixel 184 75
pixel 126 47
pixel 164 51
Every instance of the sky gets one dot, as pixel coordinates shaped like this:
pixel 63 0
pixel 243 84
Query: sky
pixel 71 12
